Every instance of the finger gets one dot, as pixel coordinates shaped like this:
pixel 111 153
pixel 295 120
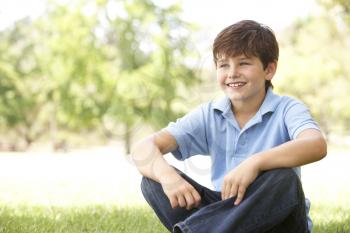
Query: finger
pixel 226 190
pixel 181 200
pixel 240 195
pixel 197 198
pixel 173 202
pixel 233 191
pixel 223 191
pixel 189 200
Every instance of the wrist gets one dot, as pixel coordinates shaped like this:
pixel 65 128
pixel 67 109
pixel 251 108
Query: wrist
pixel 258 162
pixel 167 175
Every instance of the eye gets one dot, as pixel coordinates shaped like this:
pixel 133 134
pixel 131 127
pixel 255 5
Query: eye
pixel 223 65
pixel 244 63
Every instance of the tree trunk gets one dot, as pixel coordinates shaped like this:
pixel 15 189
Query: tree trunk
pixel 127 138
pixel 53 127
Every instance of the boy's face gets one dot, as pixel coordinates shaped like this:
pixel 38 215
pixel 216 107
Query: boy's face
pixel 243 78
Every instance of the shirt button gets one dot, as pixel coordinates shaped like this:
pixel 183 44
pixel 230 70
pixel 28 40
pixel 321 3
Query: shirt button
pixel 242 142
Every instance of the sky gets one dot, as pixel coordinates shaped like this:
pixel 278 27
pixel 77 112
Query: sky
pixel 212 15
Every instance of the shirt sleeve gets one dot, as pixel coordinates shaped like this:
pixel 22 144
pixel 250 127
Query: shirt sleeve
pixel 298 118
pixel 190 134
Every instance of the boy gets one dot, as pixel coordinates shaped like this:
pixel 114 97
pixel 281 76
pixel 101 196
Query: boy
pixel 256 141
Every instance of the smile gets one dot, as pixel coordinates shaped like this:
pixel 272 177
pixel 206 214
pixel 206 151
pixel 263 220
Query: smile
pixel 236 84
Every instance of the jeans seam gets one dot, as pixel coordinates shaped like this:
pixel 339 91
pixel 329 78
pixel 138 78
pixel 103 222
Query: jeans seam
pixel 184 227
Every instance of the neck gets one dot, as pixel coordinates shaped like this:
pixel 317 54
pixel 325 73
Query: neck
pixel 247 107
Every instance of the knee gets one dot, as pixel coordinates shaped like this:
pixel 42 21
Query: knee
pixel 285 172
pixel 148 186
pixel 286 175
pixel 145 183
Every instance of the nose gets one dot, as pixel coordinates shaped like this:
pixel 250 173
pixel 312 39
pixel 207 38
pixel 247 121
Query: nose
pixel 233 73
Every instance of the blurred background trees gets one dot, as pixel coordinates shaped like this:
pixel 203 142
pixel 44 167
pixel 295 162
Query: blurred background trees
pixel 105 68
pixel 94 66
pixel 315 52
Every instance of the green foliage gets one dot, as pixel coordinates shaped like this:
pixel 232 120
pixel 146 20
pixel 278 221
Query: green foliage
pixel 154 52
pixel 78 77
pixel 314 69
pixel 96 65
pixel 110 66
pixel 339 8
pixel 151 47
pixel 22 101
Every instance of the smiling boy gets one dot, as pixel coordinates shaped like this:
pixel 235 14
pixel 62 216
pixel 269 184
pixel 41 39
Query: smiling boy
pixel 256 140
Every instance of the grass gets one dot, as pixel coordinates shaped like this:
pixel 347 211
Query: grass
pixel 126 219
pixel 82 194
pixel 330 219
pixel 88 219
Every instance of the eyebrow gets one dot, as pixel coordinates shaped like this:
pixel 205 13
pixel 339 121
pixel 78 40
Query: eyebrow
pixel 239 58
pixel 222 60
pixel 244 58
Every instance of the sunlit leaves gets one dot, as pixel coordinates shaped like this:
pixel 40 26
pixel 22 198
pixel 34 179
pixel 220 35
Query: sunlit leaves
pixel 313 67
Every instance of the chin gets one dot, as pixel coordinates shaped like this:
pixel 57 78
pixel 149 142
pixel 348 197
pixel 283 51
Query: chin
pixel 235 96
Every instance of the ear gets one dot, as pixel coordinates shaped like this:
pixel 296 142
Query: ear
pixel 271 70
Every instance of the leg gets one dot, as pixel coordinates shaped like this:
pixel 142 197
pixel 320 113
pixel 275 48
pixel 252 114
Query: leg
pixel 275 198
pixel 156 198
pixel 296 220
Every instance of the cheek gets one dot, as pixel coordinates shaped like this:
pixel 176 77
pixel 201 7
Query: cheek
pixel 220 77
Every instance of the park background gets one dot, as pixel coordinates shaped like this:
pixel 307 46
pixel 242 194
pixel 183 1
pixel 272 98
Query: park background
pixel 81 81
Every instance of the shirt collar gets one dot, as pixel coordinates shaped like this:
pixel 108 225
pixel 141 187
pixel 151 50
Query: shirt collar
pixel 269 104
pixel 223 104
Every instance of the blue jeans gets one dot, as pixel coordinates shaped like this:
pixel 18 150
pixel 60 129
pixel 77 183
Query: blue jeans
pixel 273 203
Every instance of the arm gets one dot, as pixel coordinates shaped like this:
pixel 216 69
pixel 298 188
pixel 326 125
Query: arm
pixel 148 158
pixel 148 155
pixel 309 146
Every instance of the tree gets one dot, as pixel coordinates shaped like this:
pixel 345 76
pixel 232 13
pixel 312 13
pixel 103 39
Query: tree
pixel 151 45
pixel 22 102
pixel 314 69
pixel 101 70
pixel 339 8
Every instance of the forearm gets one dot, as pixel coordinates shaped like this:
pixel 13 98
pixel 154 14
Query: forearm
pixel 294 153
pixel 149 160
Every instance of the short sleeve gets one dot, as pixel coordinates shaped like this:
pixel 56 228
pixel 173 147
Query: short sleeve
pixel 298 118
pixel 190 134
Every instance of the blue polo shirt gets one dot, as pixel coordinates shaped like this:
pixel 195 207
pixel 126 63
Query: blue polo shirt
pixel 211 129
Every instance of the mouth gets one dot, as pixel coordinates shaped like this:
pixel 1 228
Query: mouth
pixel 236 84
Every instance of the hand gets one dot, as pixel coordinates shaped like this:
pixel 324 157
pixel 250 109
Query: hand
pixel 180 192
pixel 237 181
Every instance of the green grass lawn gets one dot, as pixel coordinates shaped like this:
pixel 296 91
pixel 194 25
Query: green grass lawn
pixel 83 194
pixel 132 219
pixel 97 219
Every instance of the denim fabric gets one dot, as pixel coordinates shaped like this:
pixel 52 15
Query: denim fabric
pixel 273 203
pixel 212 130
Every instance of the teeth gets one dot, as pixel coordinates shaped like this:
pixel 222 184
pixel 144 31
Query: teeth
pixel 236 84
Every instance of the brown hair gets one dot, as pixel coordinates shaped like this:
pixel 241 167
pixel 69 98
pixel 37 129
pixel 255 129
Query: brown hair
pixel 249 38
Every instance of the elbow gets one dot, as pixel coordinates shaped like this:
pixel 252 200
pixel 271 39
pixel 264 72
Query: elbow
pixel 321 146
pixel 138 149
pixel 144 152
